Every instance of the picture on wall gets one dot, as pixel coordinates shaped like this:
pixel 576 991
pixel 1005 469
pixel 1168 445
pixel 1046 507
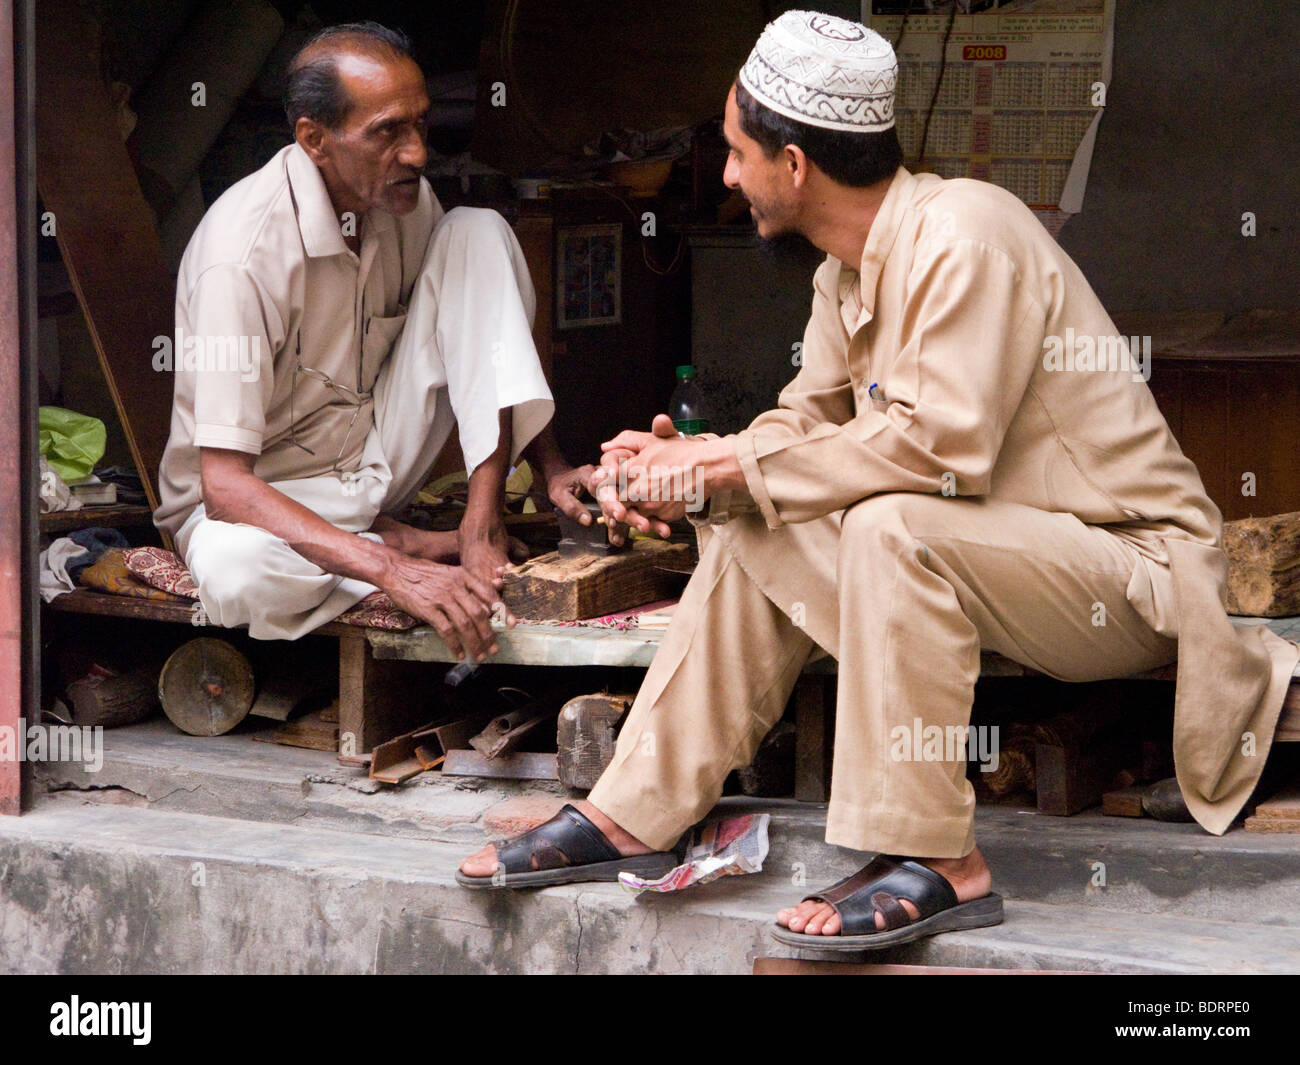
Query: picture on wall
pixel 589 281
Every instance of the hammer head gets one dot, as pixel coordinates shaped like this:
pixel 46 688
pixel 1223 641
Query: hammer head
pixel 579 539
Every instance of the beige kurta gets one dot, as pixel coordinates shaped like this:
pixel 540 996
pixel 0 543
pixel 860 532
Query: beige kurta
pixel 343 373
pixel 268 271
pixel 964 313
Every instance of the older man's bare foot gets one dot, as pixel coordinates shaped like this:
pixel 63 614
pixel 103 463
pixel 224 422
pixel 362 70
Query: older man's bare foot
pixel 484 862
pixel 970 879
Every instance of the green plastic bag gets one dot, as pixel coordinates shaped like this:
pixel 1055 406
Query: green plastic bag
pixel 72 443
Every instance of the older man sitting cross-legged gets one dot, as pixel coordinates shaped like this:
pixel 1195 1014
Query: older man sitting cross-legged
pixel 372 321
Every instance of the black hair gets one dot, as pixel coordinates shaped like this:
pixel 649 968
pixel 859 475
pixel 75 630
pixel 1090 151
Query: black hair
pixel 854 159
pixel 312 87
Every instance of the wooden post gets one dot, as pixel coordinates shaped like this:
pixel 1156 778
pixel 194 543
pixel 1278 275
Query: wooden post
pixel 19 665
pixel 814 720
pixel 379 698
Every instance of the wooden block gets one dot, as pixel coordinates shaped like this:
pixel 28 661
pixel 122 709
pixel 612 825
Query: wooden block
pixel 521 765
pixel 551 588
pixel 114 701
pixel 1125 802
pixel 281 693
pixel 206 687
pixel 1070 779
pixel 1284 806
pixel 586 735
pixel 1263 565
pixel 814 698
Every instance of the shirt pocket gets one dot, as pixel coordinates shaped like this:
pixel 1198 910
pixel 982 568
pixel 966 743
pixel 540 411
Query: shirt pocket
pixel 376 343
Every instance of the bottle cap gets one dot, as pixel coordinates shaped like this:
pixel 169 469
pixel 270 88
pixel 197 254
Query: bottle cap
pixel 683 372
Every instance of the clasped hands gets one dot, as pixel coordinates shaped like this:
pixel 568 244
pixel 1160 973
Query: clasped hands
pixel 646 480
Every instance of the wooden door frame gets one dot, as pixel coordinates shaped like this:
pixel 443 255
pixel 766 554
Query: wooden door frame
pixel 19 606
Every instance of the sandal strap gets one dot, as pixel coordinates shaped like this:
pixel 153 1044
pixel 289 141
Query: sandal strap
pixel 569 838
pixel 878 887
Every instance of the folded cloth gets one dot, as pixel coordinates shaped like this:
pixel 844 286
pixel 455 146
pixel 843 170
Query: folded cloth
pixel 54 579
pixel 95 541
pixel 110 575
pixel 55 495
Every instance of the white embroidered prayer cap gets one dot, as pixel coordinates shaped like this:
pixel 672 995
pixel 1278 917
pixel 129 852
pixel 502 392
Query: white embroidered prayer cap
pixel 824 71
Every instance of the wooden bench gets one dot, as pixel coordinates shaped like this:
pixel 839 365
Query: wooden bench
pixel 379 670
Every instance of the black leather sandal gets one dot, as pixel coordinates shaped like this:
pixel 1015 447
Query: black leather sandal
pixel 877 888
pixel 568 848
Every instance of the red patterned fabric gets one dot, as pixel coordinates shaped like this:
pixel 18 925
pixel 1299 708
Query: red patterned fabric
pixel 164 570
pixel 376 611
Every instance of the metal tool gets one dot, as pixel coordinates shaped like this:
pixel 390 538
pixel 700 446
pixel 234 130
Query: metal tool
pixel 579 539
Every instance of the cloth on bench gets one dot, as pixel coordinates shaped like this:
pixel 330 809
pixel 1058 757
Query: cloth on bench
pixel 161 569
pixel 158 574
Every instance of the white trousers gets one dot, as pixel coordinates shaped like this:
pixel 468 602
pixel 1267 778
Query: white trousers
pixel 465 354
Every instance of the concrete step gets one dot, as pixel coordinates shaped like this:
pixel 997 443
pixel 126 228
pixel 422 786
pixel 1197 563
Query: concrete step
pixel 87 887
pixel 1131 865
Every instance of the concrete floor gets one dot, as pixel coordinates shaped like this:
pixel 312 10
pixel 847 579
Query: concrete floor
pixel 230 855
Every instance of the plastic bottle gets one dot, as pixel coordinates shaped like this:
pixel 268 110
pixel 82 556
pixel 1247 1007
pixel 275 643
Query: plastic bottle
pixel 684 405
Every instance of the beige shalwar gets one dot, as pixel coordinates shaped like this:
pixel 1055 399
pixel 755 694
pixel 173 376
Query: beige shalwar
pixel 988 493
pixel 343 373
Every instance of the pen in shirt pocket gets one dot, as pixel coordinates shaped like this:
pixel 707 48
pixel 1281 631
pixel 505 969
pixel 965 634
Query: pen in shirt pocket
pixel 877 396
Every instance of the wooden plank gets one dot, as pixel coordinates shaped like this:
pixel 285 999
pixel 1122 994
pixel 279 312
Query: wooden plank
pixel 116 516
pixel 181 612
pixel 317 731
pixel 1275 826
pixel 104 229
pixel 520 765
pixel 553 588
pixel 19 642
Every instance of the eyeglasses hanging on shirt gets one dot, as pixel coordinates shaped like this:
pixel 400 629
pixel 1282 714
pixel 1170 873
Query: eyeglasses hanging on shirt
pixel 358 399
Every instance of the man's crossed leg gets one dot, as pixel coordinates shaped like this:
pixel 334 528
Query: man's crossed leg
pixel 921 585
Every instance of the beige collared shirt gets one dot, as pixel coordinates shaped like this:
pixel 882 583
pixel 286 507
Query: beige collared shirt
pixel 267 284
pixel 998 374
pixel 949 315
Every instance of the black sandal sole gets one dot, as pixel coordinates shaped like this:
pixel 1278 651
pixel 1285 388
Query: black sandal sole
pixel 978 913
pixel 650 866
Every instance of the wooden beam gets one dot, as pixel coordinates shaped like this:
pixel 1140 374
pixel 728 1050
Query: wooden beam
pixel 104 230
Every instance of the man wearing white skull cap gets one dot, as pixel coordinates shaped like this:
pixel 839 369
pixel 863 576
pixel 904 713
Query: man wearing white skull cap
pixel 933 483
